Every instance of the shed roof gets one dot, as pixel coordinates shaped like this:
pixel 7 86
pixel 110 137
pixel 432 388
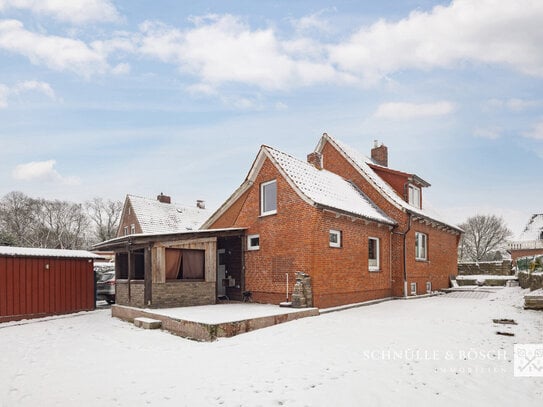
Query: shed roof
pixel 38 252
pixel 158 217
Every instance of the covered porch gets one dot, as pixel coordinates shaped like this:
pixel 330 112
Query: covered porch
pixel 177 270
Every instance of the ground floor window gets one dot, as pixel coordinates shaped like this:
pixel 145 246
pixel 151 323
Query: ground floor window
pixel 421 246
pixel 428 287
pixel 185 264
pixel 373 254
pixel 413 288
pixel 253 242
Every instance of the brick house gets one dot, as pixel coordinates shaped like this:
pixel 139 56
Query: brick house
pixel 530 241
pixel 357 227
pixel 144 215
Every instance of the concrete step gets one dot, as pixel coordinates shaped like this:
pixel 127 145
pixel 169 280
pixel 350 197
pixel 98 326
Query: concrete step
pixel 147 323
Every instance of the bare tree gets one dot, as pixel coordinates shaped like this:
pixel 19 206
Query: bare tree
pixel 17 218
pixel 105 216
pixel 61 225
pixel 483 234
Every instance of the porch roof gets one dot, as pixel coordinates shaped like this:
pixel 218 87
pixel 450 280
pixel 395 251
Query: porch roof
pixel 146 238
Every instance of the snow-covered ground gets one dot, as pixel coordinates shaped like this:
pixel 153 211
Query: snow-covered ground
pixel 440 351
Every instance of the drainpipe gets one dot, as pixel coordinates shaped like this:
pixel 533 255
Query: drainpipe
pixel 404 257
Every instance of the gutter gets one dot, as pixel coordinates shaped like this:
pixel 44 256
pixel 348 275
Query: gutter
pixel 404 235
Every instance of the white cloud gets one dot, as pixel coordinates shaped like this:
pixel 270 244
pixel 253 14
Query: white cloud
pixel 4 92
pixel 72 11
pixel 42 171
pixel 513 104
pixel 536 132
pixel 224 49
pixel 25 86
pixel 312 22
pixel 57 53
pixel 121 69
pixel 488 133
pixel 37 86
pixel 486 31
pixel 403 111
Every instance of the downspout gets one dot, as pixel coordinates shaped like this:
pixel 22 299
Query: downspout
pixel 404 257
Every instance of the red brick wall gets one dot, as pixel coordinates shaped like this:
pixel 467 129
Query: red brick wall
pixel 515 254
pixel 127 220
pixel 442 246
pixel 396 181
pixel 229 217
pixel 297 239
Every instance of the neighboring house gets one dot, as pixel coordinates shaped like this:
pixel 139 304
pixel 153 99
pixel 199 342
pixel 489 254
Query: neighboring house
pixel 149 216
pixel 162 259
pixel 530 241
pixel 355 226
pixel 39 282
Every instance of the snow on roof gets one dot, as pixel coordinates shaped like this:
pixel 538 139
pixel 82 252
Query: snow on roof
pixel 361 161
pixel 533 229
pixel 158 217
pixel 37 252
pixel 328 189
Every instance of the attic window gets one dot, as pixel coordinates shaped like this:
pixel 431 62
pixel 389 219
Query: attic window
pixel 414 196
pixel 268 198
pixel 132 229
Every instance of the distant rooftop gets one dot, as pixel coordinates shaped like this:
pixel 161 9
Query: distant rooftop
pixel 159 217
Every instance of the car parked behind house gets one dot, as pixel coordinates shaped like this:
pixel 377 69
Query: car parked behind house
pixel 105 287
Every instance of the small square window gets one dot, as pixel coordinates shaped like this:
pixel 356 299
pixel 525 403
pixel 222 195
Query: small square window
pixel 414 196
pixel 413 288
pixel 335 238
pixel 253 242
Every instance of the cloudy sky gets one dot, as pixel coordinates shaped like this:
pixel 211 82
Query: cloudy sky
pixel 107 97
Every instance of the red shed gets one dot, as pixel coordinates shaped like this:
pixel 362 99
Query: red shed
pixel 40 282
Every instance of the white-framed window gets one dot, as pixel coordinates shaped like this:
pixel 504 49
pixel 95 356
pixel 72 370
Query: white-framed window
pixel 335 238
pixel 126 230
pixel 373 254
pixel 268 198
pixel 132 229
pixel 413 288
pixel 421 246
pixel 253 242
pixel 414 196
pixel 428 287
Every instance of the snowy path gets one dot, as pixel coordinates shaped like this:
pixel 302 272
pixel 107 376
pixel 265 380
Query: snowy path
pixel 427 351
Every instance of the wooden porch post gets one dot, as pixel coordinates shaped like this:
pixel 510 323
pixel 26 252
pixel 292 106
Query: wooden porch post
pixel 148 276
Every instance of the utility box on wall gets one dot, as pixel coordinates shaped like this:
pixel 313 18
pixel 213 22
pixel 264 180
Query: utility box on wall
pixel 40 282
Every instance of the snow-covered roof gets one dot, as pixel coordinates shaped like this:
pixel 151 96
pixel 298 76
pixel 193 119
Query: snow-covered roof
pixel 361 162
pixel 326 188
pixel 533 229
pixel 36 252
pixel 158 217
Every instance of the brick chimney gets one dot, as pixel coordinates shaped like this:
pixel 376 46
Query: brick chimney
pixel 379 153
pixel 315 159
pixel 201 204
pixel 164 198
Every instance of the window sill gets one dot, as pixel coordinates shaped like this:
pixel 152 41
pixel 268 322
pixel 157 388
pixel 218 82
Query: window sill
pixel 263 215
pixel 422 260
pixel 374 270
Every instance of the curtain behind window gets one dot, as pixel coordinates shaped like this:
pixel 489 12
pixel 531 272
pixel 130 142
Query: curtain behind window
pixel 193 264
pixel 173 263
